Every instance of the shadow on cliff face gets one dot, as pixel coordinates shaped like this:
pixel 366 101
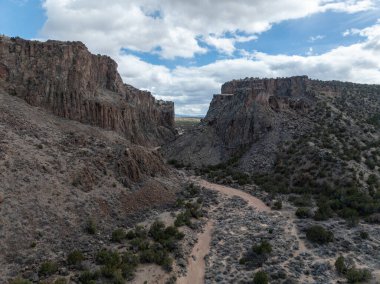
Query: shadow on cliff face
pixel 254 115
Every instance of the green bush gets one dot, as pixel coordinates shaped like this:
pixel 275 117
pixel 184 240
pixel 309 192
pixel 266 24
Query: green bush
pixel 48 268
pixel 277 205
pixel 20 281
pixel 108 258
pixel 303 213
pixel 364 235
pixel 183 218
pixel 261 277
pixel 263 248
pixel 75 258
pixel 118 235
pixel 318 234
pixel 60 281
pixel 91 227
pixel 192 190
pixel 323 213
pixel 355 275
pixel 301 201
pixel 340 265
pixel 88 277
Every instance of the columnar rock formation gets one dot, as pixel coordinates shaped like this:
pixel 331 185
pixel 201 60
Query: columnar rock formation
pixel 254 116
pixel 60 165
pixel 66 79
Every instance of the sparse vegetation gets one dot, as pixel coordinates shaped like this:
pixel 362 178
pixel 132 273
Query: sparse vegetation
pixel 48 268
pixel 352 274
pixel 257 256
pixel 277 205
pixel 75 258
pixel 303 213
pixel 118 235
pixel 263 248
pixel 20 281
pixel 261 277
pixel 318 234
pixel 355 275
pixel 91 227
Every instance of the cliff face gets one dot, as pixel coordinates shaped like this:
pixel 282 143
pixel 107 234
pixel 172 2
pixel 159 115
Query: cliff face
pixel 66 79
pixel 255 116
pixel 60 166
pixel 246 108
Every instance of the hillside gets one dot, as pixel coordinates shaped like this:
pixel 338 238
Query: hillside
pixel 76 150
pixel 292 135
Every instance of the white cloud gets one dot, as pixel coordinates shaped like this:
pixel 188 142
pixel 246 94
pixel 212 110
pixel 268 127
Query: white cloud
pixel 179 28
pixel 349 6
pixel 315 38
pixel 173 27
pixel 192 88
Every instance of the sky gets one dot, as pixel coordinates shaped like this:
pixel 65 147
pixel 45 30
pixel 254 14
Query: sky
pixel 183 50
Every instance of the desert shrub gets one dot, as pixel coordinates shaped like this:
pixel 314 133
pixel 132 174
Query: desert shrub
pixel 88 277
pixel 194 209
pixel 20 281
pixel 364 235
pixel 48 268
pixel 110 272
pixel 318 234
pixel 75 258
pixel 352 221
pixel 262 248
pixel 277 205
pixel 60 281
pixel 372 180
pixel 107 257
pixel 140 232
pixel 176 164
pixel 347 213
pixel 261 277
pixel 355 275
pixel 90 227
pixel 303 213
pixel 171 280
pixel 373 218
pixel 118 235
pixel 183 218
pixel 166 236
pixel 301 201
pixel 129 263
pixel 192 190
pixel 340 265
pixel 324 212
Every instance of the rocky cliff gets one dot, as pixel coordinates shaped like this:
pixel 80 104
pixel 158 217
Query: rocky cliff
pixel 253 117
pixel 66 79
pixel 61 164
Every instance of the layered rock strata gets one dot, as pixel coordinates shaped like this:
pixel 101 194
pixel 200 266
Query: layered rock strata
pixel 66 79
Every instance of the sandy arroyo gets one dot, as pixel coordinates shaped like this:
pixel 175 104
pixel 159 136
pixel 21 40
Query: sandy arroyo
pixel 196 263
pixel 229 191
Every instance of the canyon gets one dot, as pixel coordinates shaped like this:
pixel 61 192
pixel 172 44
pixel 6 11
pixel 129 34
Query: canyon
pixel 98 184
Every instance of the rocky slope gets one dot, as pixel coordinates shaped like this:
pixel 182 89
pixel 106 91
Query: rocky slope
pixel 76 148
pixel 253 117
pixel 66 79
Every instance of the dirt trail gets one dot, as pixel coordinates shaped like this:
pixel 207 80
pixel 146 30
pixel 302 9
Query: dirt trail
pixel 252 201
pixel 196 263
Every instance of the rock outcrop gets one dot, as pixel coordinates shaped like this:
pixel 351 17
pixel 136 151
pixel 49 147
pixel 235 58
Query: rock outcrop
pixel 252 117
pixel 66 79
pixel 60 163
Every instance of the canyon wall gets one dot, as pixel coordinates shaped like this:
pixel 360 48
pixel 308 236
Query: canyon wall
pixel 66 79
pixel 252 117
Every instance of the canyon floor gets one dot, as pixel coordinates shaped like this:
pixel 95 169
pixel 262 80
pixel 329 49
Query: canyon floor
pixel 235 220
